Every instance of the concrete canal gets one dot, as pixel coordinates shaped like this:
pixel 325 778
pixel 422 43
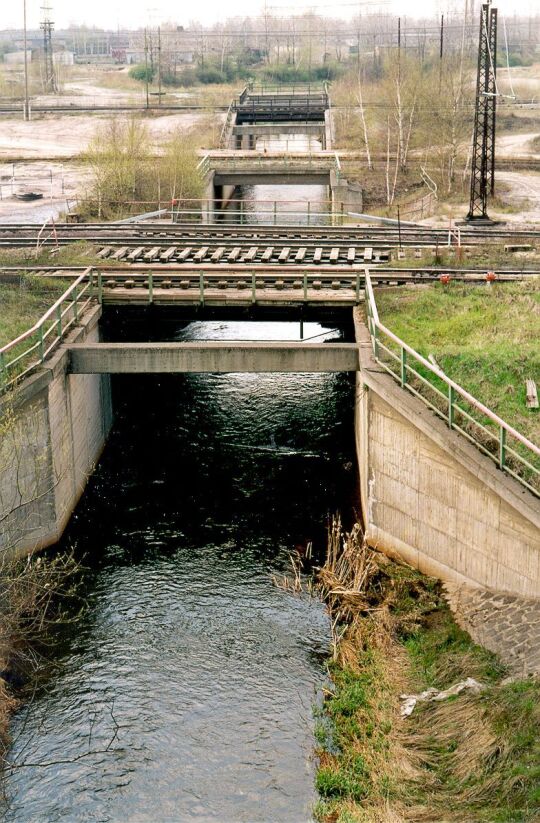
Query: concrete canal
pixel 186 691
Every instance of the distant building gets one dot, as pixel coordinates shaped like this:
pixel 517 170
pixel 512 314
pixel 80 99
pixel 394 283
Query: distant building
pixel 176 56
pixel 17 57
pixel 64 58
pixel 134 56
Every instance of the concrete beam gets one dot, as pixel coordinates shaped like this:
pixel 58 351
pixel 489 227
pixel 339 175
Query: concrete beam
pixel 212 356
pixel 262 129
pixel 274 177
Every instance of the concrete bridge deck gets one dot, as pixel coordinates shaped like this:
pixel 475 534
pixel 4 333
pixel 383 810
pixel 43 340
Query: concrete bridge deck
pixel 239 168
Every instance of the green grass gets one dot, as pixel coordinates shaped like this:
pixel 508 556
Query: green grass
pixel 485 338
pixel 80 253
pixel 474 757
pixel 21 305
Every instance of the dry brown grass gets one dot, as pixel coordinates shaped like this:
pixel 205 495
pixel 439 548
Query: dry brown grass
pixel 471 758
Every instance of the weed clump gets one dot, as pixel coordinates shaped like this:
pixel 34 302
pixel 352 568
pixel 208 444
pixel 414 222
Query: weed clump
pixel 471 757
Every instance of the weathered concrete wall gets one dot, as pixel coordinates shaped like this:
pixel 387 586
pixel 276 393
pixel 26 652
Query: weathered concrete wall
pixel 432 499
pixel 328 129
pixel 345 196
pixel 53 430
pixel 215 192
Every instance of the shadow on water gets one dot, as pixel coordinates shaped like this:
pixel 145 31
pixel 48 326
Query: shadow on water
pixel 185 693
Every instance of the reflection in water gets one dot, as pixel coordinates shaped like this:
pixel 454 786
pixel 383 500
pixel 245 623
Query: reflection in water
pixel 279 205
pixel 186 691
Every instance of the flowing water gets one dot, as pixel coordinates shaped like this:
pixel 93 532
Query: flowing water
pixel 186 690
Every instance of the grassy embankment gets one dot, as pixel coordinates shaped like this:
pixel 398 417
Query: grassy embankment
pixel 485 338
pixel 33 589
pixel 22 304
pixel 473 757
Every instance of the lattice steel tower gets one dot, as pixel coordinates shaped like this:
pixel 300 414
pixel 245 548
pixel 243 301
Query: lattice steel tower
pixel 49 76
pixel 483 156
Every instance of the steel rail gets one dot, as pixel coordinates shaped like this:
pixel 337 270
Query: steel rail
pixel 179 226
pixel 286 230
pixel 381 273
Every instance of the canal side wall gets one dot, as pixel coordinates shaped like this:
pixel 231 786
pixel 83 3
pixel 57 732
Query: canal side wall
pixel 432 499
pixel 57 426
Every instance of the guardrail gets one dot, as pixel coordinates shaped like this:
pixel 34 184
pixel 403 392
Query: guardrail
pixel 509 449
pixel 259 216
pixel 203 166
pixel 30 349
pixel 290 88
pixel 226 131
pixel 205 282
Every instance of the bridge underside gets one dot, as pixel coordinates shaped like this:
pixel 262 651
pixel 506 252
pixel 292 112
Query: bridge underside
pixel 278 114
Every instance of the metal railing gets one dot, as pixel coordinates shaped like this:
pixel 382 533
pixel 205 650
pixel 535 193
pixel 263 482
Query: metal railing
pixel 226 131
pixel 202 283
pixel 30 349
pixel 509 449
pixel 288 88
pixel 203 166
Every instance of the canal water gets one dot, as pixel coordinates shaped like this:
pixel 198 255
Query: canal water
pixel 186 690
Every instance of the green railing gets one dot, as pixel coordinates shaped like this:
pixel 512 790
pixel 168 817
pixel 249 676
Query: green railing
pixel 202 283
pixel 30 349
pixel 509 449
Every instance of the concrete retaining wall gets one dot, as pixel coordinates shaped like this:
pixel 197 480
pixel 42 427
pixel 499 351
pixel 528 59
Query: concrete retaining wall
pixel 53 431
pixel 432 499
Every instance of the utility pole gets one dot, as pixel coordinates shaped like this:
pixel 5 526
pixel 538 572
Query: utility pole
pixel 26 98
pixel 159 65
pixel 146 68
pixel 483 156
pixel 47 27
pixel 441 50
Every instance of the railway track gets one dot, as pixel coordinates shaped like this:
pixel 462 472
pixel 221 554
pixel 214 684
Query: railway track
pixel 381 276
pixel 268 245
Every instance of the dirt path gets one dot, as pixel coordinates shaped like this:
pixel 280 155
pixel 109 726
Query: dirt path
pixel 66 136
pixel 517 145
pixel 523 191
pixel 59 183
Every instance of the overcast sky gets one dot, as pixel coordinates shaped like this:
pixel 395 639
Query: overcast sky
pixel 134 13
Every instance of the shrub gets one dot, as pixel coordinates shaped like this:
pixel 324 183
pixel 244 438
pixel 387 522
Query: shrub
pixel 143 73
pixel 211 75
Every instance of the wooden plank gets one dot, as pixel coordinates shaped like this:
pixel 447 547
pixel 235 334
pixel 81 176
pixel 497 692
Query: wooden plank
pixel 334 254
pixel 532 394
pixel 300 254
pixel 317 255
pixel 368 253
pixel 218 254
pixel 284 255
pixel 120 253
pixel 234 254
pixel 351 254
pixel 184 254
pixel 267 254
pixel 250 255
pixel 201 254
pixel 152 254
pixel 168 254
pixel 136 253
pixel 104 252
